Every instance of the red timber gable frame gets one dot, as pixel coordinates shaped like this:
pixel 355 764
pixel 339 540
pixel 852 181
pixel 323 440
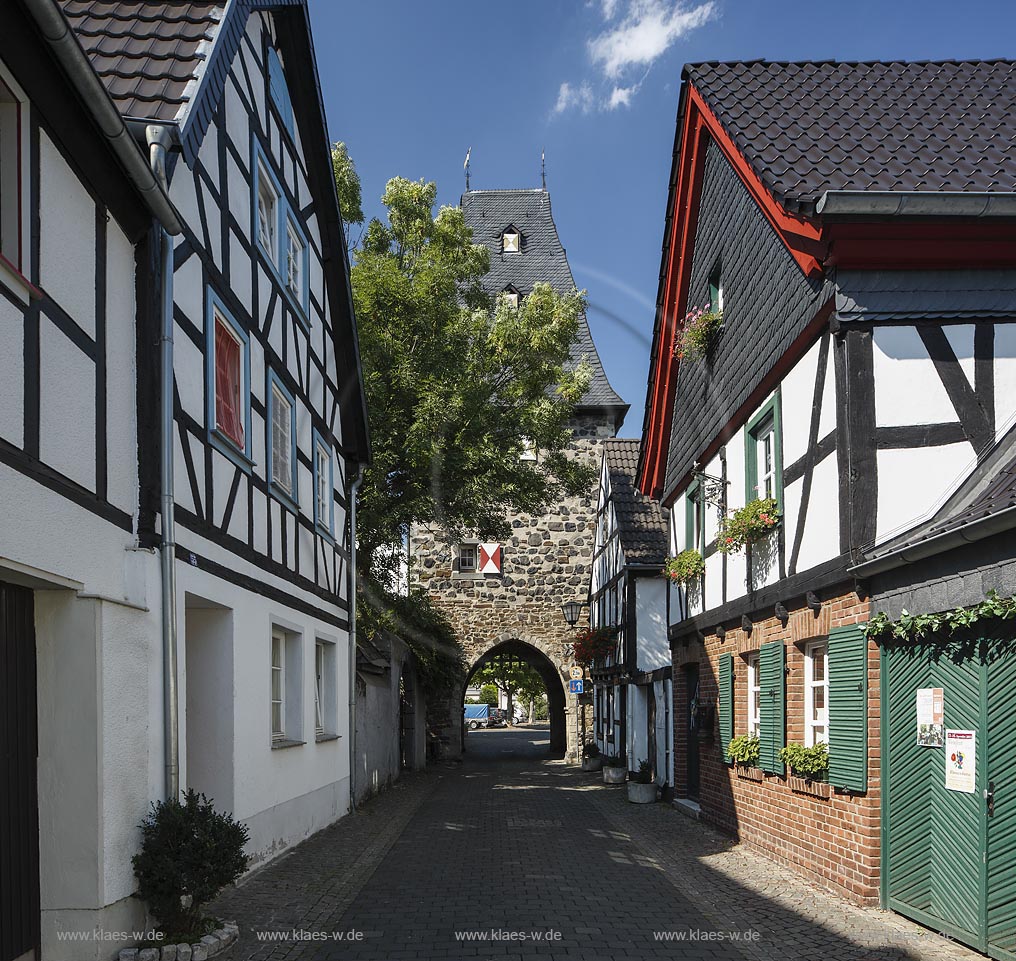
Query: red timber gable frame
pixel 815 244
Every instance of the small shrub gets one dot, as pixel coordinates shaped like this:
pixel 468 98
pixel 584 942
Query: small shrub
pixel 747 524
pixel 744 750
pixel 687 566
pixel 189 853
pixel 612 760
pixel 811 763
pixel 644 775
pixel 590 750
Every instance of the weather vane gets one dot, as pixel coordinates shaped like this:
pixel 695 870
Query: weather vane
pixel 543 167
pixel 465 167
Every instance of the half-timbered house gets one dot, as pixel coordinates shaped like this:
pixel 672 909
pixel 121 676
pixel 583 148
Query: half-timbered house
pixel 860 253
pixel 632 693
pixel 174 280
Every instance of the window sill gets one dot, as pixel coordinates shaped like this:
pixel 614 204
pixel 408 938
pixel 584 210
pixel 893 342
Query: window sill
pixel 224 445
pixel 284 497
pixel 18 283
pixel 467 576
pixel 327 534
pixel 321 738
pixel 286 742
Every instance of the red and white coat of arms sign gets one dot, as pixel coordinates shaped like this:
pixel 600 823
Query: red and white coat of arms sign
pixel 489 559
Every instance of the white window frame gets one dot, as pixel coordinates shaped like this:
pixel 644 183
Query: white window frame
pixel 765 467
pixel 754 694
pixel 474 553
pixel 319 691
pixel 15 197
pixel 266 189
pixel 296 261
pixel 324 484
pixel 282 469
pixel 509 246
pixel 816 731
pixel 278 672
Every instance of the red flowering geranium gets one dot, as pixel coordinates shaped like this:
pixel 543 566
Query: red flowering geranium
pixel 592 645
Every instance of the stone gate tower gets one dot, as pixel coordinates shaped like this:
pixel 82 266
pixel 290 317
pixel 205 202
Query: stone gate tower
pixel 511 601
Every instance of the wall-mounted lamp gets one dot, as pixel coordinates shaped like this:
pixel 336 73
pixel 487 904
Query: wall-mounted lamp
pixel 571 611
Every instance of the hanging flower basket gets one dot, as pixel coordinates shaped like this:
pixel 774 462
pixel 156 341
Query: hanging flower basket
pixel 701 324
pixel 748 524
pixel 686 566
pixel 591 645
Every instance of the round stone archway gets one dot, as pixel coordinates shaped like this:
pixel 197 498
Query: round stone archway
pixel 540 661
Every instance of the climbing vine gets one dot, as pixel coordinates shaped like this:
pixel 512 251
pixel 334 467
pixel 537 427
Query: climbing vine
pixel 912 627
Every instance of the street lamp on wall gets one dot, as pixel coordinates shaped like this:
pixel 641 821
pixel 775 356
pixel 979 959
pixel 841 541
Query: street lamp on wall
pixel 571 611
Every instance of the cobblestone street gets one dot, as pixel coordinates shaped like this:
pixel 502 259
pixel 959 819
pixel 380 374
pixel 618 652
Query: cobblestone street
pixel 494 859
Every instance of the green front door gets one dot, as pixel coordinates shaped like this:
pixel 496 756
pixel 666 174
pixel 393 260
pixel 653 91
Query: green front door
pixel 950 856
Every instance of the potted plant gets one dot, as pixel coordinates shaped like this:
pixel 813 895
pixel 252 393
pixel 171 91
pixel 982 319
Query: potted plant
pixel 743 750
pixel 687 566
pixel 808 763
pixel 614 771
pixel 748 524
pixel 593 645
pixel 701 324
pixel 641 786
pixel 591 760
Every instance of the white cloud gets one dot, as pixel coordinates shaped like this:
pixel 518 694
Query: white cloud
pixel 580 97
pixel 649 28
pixel 621 97
pixel 609 8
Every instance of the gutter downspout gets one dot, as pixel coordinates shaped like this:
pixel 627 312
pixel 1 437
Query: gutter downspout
pixel 158 138
pixel 353 488
pixel 96 101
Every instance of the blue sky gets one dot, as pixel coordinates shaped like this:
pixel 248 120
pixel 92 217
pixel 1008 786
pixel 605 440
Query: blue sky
pixel 410 85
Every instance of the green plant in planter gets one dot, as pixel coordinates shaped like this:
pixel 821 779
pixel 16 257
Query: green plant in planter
pixel 189 853
pixel 700 326
pixel 811 763
pixel 644 775
pixel 589 749
pixel 688 566
pixel 612 760
pixel 747 524
pixel 744 750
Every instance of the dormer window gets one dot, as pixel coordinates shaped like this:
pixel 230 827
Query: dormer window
pixel 511 241
pixel 511 296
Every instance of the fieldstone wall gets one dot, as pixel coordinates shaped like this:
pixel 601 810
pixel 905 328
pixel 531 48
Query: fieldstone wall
pixel 546 562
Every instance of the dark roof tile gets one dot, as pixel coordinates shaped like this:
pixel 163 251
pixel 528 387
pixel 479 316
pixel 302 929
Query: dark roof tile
pixel 868 126
pixel 641 521
pixel 542 258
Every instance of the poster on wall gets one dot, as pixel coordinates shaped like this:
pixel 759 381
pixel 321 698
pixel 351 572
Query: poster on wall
pixel 960 760
pixel 930 717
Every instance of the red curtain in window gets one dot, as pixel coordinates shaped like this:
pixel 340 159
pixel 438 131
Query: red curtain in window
pixel 228 379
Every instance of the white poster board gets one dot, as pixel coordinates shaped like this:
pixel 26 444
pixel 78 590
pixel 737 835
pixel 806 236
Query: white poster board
pixel 930 717
pixel 960 761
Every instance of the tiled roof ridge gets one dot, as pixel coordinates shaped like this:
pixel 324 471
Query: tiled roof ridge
pixel 929 62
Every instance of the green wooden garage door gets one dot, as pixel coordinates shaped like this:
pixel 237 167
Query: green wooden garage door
pixel 950 863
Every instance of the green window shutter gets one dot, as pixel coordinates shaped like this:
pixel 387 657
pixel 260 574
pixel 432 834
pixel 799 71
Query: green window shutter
pixel 726 702
pixel 848 708
pixel 772 662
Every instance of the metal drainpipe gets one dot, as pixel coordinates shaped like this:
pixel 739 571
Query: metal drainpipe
pixel 158 142
pixel 353 488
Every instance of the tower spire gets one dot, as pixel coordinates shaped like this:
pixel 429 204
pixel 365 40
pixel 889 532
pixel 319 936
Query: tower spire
pixel 465 167
pixel 543 167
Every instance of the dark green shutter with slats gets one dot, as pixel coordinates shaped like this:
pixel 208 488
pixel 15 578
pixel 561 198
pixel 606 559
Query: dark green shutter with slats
pixel 848 708
pixel 726 700
pixel 772 662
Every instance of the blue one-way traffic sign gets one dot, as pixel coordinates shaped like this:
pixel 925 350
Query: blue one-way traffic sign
pixel 575 687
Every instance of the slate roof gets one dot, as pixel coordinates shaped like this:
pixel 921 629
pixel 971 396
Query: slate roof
pixel 809 127
pixel 542 258
pixel 641 521
pixel 148 55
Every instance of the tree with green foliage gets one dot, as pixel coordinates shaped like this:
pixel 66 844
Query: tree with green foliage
pixel 458 386
pixel 515 678
pixel 488 695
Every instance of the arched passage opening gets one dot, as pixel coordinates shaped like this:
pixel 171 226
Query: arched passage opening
pixel 541 663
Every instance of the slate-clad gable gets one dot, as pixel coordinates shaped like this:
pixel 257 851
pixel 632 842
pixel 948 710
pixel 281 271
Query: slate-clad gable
pixel 542 259
pixel 810 127
pixel 641 520
pixel 768 301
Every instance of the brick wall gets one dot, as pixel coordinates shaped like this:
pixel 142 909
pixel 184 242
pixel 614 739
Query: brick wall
pixel 832 840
